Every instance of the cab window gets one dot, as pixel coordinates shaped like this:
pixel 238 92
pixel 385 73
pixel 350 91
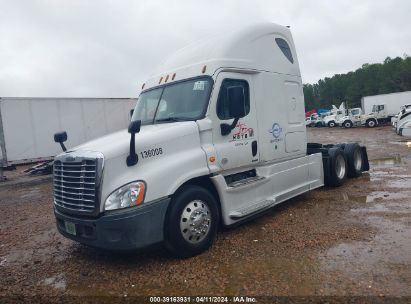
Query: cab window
pixel 223 111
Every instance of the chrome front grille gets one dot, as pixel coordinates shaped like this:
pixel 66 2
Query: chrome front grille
pixel 75 184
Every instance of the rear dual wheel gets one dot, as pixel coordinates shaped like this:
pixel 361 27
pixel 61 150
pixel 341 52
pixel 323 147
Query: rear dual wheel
pixel 354 158
pixel 336 172
pixel 344 160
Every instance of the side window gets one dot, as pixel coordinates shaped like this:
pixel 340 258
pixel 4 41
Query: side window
pixel 223 102
pixel 285 48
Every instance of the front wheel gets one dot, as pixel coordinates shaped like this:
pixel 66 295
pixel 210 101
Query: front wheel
pixel 191 222
pixel 348 124
pixel 371 123
pixel 331 124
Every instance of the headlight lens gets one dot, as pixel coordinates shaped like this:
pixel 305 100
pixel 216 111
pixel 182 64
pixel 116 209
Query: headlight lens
pixel 129 195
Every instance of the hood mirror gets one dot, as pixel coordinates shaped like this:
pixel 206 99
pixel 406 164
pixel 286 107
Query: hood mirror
pixel 133 128
pixel 60 138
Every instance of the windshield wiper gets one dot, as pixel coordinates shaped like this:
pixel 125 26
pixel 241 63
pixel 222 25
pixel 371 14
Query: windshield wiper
pixel 173 119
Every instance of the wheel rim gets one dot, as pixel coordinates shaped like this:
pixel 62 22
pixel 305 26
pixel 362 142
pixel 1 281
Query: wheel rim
pixel 340 166
pixel 331 124
pixel 357 160
pixel 371 123
pixel 195 221
pixel 347 125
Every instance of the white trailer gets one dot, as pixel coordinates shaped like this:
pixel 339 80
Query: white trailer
pixel 215 139
pixel 392 101
pixel 27 125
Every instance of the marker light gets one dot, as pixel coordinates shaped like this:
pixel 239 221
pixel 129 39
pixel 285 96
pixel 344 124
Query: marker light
pixel 204 69
pixel 144 84
pixel 161 79
pixel 174 76
pixel 128 195
pixel 166 79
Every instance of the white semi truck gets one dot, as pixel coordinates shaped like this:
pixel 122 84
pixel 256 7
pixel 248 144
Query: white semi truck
pixel 403 119
pixel 352 119
pixel 215 139
pixel 334 116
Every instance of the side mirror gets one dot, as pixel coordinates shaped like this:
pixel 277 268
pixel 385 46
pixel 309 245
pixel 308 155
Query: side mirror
pixel 133 128
pixel 61 137
pixel 236 102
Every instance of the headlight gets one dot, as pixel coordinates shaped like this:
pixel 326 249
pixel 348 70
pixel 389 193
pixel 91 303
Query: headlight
pixel 129 195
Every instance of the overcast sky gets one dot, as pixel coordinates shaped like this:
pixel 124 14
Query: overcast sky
pixel 103 48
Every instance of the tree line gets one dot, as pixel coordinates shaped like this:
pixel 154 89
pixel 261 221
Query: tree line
pixel 393 75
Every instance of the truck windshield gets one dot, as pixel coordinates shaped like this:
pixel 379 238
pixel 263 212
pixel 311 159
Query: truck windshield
pixel 185 100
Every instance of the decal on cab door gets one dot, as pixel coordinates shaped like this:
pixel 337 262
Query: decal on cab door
pixel 242 132
pixel 276 131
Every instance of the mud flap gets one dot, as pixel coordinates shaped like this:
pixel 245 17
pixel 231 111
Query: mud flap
pixel 365 163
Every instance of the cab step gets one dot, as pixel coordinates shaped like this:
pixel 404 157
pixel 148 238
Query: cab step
pixel 252 209
pixel 245 181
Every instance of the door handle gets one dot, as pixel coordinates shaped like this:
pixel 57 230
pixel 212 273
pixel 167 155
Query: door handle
pixel 254 148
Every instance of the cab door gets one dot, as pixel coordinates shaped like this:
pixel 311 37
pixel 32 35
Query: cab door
pixel 236 148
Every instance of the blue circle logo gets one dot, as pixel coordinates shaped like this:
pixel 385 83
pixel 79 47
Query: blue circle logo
pixel 276 130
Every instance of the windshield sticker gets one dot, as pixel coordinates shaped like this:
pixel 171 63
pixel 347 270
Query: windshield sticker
pixel 276 131
pixel 199 86
pixel 242 132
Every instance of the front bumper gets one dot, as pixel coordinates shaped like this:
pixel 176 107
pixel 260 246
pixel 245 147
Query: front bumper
pixel 132 228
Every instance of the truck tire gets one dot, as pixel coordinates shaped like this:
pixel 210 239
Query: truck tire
pixel 318 124
pixel 336 168
pixel 191 222
pixel 353 155
pixel 371 123
pixel 347 124
pixel 331 124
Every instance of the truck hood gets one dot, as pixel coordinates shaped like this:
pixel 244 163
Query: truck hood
pixel 118 143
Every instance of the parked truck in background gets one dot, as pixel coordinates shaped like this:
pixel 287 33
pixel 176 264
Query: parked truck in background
pixel 215 139
pixel 380 109
pixel 403 119
pixel 334 116
pixel 393 102
pixel 352 119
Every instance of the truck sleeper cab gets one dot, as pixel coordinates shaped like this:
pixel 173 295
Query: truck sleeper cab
pixel 215 139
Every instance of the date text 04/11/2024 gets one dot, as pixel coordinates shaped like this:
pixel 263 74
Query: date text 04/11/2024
pixel 203 299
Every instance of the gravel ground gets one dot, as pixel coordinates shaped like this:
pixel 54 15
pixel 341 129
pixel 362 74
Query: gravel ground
pixel 349 241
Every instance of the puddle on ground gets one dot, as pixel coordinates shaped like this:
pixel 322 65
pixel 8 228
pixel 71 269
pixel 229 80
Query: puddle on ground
pixel 400 183
pixel 376 197
pixel 33 193
pixel 57 282
pixel 406 143
pixel 369 264
pixel 388 161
